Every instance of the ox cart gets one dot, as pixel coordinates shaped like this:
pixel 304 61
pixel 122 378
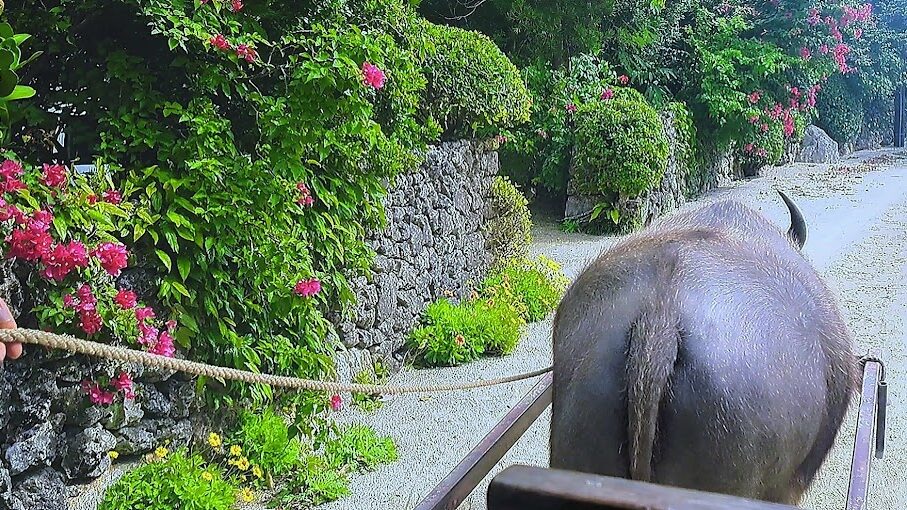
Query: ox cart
pixel 534 488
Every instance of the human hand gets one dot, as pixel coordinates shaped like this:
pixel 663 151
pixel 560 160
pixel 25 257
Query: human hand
pixel 11 350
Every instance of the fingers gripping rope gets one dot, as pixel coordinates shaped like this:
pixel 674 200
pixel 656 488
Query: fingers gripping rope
pixel 98 350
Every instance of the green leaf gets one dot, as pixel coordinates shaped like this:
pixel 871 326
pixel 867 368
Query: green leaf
pixel 181 289
pixel 183 264
pixel 164 258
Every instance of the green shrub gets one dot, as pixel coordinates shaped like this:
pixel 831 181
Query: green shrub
pixel 359 448
pixel 538 283
pixel 452 334
pixel 687 148
pixel 840 110
pixel 621 147
pixel 472 87
pixel 366 401
pixel 267 442
pixel 509 232
pixel 175 481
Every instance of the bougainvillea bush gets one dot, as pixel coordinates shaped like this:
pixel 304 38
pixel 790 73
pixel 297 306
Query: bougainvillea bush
pixel 256 144
pixel 63 232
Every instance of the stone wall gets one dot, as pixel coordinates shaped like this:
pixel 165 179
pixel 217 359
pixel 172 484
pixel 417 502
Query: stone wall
pixel 50 435
pixel 433 246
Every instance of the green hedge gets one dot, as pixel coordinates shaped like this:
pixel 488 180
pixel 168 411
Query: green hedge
pixel 472 87
pixel 840 110
pixel 621 147
pixel 509 232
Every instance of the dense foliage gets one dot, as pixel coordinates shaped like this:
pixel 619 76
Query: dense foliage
pixel 840 110
pixel 509 231
pixel 492 320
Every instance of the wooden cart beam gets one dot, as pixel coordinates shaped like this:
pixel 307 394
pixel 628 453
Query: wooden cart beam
pixel 466 476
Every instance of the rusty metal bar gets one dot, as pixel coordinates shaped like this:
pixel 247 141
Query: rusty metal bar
pixel 863 446
pixel 533 488
pixel 463 479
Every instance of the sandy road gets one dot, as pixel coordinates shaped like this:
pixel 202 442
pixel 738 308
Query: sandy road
pixel 858 241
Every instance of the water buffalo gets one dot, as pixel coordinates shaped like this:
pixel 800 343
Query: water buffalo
pixel 704 352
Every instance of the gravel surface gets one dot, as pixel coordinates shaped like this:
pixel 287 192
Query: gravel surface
pixel 857 217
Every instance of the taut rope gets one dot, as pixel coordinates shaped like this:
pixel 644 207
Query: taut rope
pixel 98 350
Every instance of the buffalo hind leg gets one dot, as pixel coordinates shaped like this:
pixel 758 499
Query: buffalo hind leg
pixel 789 494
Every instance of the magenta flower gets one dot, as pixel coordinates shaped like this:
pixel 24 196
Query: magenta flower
pixel 754 96
pixel 372 75
pixel 143 314
pixel 571 108
pixel 805 54
pixel 247 53
pixel 54 176
pixel 112 256
pixel 607 94
pixel 623 79
pixel 126 299
pixel 748 148
pixel 307 288
pixel 236 6
pixel 63 258
pixel 112 196
pixel 336 402
pixel 305 195
pixel 164 345
pixel 220 42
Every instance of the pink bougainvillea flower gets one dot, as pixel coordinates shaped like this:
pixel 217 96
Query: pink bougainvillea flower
pixel 754 96
pixel 148 335
pixel 307 288
pixel 247 53
pixel 164 345
pixel 748 148
pixel 62 259
pixel 764 128
pixel 28 243
pixel 336 402
pixel 305 195
pixel 96 395
pixel 858 33
pixel 122 381
pixel 68 301
pixel 623 79
pixel 571 108
pixel 236 5
pixel 607 94
pixel 754 119
pixel 143 314
pixel 112 196
pixel 761 152
pixel 54 176
pixel 220 42
pixel 92 199
pixel 126 299
pixel 823 49
pixel 90 321
pixel 112 256
pixel 372 75
pixel 12 184
pixel 813 19
pixel 10 169
pixel 805 54
pixel 171 325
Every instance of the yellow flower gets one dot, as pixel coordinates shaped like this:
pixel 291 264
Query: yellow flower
pixel 243 464
pixel 214 440
pixel 207 476
pixel 113 454
pixel 235 450
pixel 246 494
pixel 257 472
pixel 161 452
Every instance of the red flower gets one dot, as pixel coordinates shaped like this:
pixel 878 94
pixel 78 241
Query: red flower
pixel 307 288
pixel 113 257
pixel 90 321
pixel 245 52
pixel 11 184
pixel 126 299
pixel 54 176
pixel 220 42
pixel 63 258
pixel 92 199
pixel 305 195
pixel 148 335
pixel 754 97
pixel 607 94
pixel 571 108
pixel 96 394
pixel 236 6
pixel 623 79
pixel 112 196
pixel 805 54
pixel 372 75
pixel 336 402
pixel 10 169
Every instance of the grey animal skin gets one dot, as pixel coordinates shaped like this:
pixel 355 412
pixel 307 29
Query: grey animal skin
pixel 704 352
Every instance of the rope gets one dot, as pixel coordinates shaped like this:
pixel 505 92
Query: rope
pixel 111 352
